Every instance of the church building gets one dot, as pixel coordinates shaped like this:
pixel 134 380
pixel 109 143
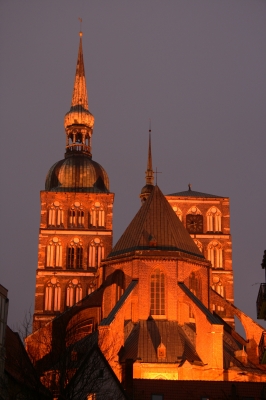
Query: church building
pixel 158 305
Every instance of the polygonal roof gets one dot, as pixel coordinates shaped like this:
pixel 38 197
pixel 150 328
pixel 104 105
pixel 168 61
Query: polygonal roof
pixel 193 193
pixel 156 227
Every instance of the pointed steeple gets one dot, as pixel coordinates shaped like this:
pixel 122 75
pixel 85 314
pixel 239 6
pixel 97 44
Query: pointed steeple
pixel 79 122
pixel 146 190
pixel 149 171
pixel 80 95
pixel 156 227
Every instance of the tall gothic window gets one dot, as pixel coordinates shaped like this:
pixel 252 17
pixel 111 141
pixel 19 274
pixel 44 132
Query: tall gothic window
pixel 219 288
pixel 214 220
pixel 195 284
pixel 157 293
pixel 55 215
pixel 75 254
pixel 96 252
pixel 97 216
pixel 52 295
pixel 73 293
pixel 54 253
pixel 119 280
pixel 215 254
pixel 76 216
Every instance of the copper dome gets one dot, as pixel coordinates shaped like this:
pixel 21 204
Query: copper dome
pixel 77 173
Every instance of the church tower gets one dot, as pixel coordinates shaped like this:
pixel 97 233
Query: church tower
pixel 76 215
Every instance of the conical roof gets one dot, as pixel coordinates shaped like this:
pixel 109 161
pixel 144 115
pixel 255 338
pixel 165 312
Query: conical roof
pixel 156 227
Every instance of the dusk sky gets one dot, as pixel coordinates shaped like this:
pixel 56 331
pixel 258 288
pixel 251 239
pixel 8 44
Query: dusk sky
pixel 197 68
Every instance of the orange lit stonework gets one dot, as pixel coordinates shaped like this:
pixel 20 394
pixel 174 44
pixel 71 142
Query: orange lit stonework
pixel 159 304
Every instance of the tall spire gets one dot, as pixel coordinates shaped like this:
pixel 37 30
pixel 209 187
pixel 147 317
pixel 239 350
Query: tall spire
pixel 79 122
pixel 149 175
pixel 149 171
pixel 80 95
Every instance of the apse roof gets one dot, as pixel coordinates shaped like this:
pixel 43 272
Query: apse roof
pixel 156 227
pixel 193 193
pixel 144 338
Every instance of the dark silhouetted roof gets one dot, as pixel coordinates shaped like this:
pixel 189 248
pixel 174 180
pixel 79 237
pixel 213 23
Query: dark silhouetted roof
pixel 156 227
pixel 192 193
pixel 145 337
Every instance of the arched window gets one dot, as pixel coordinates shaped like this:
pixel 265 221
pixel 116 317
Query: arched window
pixel 96 253
pixel 73 292
pixel 214 220
pixel 178 212
pixel 219 288
pixel 54 253
pixel 194 220
pixel 55 215
pixel 119 280
pixel 195 284
pixel 75 254
pixel 76 215
pixel 199 244
pixel 97 216
pixel 157 293
pixel 52 295
pixel 91 287
pixel 215 254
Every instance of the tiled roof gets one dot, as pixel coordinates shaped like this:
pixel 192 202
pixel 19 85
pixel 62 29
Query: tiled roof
pixel 156 227
pixel 144 338
pixel 192 193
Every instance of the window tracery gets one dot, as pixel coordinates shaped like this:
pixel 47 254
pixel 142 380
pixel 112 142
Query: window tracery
pixel 219 288
pixel 96 252
pixel 52 295
pixel 76 216
pixel 215 254
pixel 178 212
pixel 91 287
pixel 214 220
pixel 119 280
pixel 55 215
pixel 75 254
pixel 74 292
pixel 54 253
pixel 97 216
pixel 157 292
pixel 199 244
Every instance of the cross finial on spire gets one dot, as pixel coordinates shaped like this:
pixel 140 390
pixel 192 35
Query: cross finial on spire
pixel 149 171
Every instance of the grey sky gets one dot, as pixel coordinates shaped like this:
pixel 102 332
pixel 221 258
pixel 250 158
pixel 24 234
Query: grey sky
pixel 197 68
